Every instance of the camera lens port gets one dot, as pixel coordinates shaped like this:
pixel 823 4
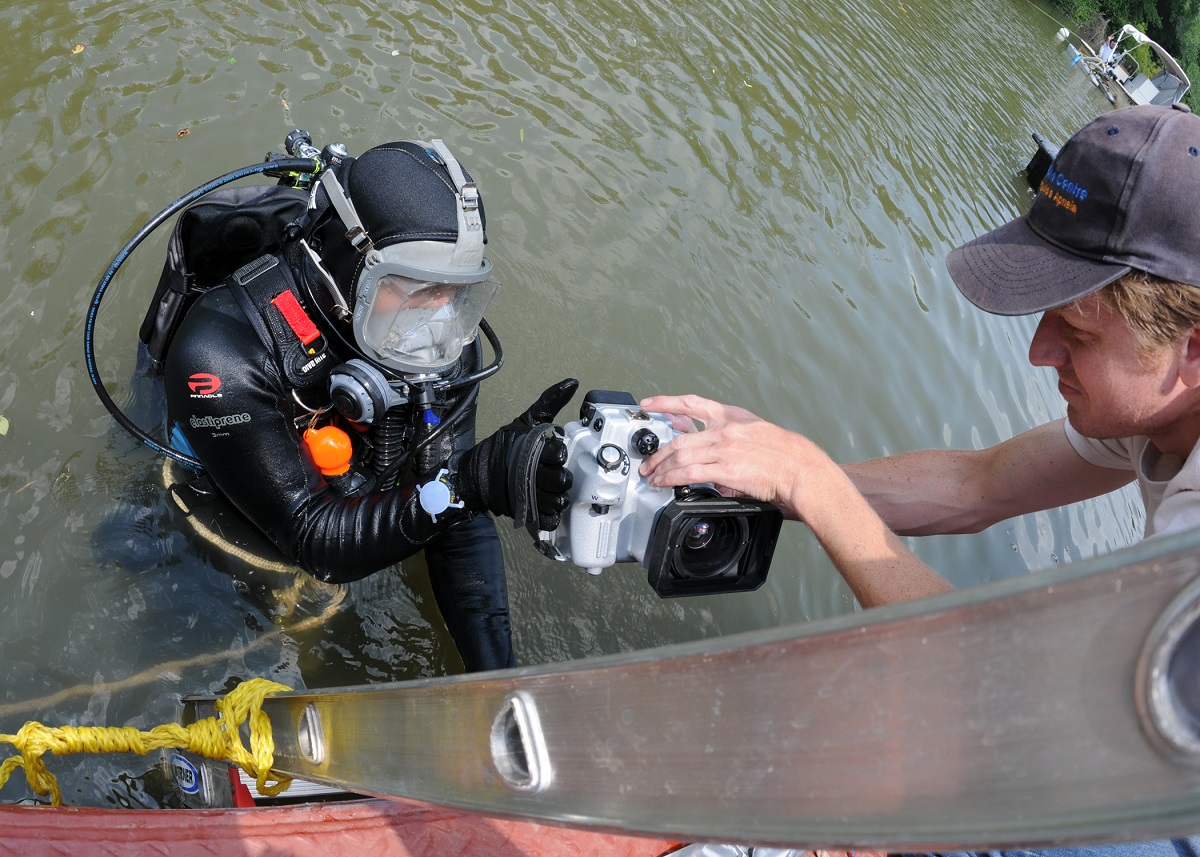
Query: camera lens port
pixel 710 547
pixel 699 535
pixel 703 543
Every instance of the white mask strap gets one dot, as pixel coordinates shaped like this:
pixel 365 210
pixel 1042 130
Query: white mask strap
pixel 469 245
pixel 356 233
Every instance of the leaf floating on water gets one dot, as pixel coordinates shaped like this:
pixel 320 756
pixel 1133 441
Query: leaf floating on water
pixel 3 425
pixel 183 132
pixel 396 53
pixel 78 49
pixel 522 135
pixel 286 106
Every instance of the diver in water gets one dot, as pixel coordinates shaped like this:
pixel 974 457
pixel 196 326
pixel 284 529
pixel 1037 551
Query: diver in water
pixel 328 386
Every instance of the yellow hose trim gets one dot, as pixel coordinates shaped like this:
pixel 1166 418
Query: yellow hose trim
pixel 216 737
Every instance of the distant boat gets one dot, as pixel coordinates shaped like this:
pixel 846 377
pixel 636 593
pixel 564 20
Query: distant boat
pixel 1118 74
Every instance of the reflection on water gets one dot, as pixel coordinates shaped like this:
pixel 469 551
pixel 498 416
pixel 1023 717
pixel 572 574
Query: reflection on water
pixel 751 201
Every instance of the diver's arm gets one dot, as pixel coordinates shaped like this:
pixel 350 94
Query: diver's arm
pixel 961 491
pixel 341 539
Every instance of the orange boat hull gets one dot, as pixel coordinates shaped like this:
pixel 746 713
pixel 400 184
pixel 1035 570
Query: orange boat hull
pixel 359 828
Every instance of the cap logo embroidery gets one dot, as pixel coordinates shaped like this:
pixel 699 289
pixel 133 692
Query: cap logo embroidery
pixel 1062 191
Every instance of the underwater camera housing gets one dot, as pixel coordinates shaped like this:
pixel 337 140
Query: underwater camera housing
pixel 691 540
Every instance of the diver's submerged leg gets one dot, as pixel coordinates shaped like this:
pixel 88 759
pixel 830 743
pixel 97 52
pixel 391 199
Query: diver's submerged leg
pixel 466 571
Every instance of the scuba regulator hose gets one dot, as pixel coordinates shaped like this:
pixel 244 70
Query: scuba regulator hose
pixel 294 165
pixel 471 383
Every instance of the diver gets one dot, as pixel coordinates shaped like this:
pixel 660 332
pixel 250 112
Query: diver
pixel 328 386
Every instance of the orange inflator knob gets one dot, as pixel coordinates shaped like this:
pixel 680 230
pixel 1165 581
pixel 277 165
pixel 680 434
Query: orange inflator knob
pixel 330 448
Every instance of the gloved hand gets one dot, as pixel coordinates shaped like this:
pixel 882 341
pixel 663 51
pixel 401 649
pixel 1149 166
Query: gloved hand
pixel 519 471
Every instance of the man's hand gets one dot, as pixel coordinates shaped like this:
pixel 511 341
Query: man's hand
pixel 740 453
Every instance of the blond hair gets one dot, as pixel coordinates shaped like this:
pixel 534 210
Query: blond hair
pixel 1161 313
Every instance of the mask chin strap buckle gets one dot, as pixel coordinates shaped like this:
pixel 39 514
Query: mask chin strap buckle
pixel 356 233
pixel 469 246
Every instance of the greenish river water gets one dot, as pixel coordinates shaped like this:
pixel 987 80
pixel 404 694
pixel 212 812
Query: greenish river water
pixel 752 201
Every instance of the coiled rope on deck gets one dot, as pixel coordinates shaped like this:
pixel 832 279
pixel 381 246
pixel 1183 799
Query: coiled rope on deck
pixel 217 737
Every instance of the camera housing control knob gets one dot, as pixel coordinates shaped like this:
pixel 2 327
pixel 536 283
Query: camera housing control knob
pixel 609 457
pixel 645 441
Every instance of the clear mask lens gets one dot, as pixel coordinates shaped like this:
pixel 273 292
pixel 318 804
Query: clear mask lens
pixel 424 336
pixel 414 326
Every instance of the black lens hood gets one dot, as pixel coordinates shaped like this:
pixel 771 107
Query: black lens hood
pixel 763 523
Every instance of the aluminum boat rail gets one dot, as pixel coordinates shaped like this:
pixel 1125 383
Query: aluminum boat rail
pixel 1059 707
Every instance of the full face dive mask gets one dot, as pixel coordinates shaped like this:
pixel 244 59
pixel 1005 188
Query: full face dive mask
pixel 417 303
pixel 412 325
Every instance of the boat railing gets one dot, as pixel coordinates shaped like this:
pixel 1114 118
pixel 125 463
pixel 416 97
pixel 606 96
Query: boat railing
pixel 1128 64
pixel 866 730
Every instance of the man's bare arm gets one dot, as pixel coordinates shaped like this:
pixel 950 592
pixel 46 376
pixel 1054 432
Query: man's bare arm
pixel 743 453
pixel 953 491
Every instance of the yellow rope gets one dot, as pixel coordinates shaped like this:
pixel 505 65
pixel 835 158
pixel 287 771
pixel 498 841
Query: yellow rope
pixel 216 737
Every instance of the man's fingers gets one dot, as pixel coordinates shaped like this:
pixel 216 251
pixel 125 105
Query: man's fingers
pixel 683 461
pixel 692 406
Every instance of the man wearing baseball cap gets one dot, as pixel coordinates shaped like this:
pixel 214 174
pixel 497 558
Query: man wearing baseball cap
pixel 1110 254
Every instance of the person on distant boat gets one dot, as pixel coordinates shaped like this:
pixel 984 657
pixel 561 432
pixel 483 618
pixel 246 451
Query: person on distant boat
pixel 329 386
pixel 1108 50
pixel 1108 255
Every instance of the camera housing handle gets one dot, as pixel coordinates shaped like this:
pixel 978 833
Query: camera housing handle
pixel 522 476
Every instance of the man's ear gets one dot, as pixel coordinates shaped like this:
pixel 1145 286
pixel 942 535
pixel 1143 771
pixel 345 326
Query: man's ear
pixel 1189 363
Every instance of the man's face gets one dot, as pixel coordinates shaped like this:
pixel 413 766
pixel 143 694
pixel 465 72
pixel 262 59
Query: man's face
pixel 1113 387
pixel 396 292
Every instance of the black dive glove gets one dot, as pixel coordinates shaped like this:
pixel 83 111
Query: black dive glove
pixel 519 471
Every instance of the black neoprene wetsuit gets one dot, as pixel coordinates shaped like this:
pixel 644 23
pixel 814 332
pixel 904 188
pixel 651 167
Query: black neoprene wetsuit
pixel 244 431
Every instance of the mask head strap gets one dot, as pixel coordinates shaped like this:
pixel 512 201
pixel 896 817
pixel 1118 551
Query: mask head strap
pixel 340 309
pixel 356 233
pixel 466 193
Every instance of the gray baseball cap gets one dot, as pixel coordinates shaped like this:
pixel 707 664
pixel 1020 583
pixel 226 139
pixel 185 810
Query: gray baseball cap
pixel 1123 193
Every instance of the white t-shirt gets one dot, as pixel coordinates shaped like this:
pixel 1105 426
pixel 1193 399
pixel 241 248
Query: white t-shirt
pixel 1170 485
